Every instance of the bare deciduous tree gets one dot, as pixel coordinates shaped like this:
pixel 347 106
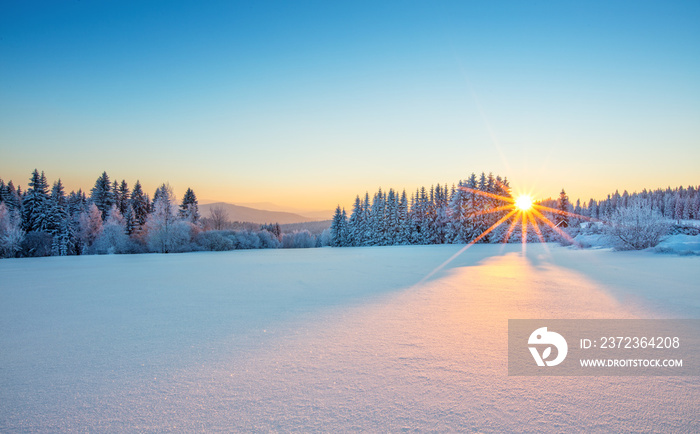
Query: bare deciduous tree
pixel 637 226
pixel 219 217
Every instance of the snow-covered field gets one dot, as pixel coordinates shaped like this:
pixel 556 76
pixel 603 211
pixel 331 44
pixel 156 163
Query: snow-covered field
pixel 327 340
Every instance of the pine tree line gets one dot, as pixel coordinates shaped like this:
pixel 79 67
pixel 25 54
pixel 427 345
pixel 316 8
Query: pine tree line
pixel 681 203
pixel 438 215
pixel 112 218
pixel 460 215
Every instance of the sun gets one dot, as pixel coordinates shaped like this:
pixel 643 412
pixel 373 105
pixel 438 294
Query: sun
pixel 523 202
pixel 523 210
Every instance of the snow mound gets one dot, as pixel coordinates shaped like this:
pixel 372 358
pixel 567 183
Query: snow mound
pixel 596 241
pixel 680 244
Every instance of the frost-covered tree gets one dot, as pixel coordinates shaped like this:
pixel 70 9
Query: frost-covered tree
pixel 404 235
pixel 324 239
pixel 122 197
pixel 165 191
pixel 189 210
pixel 115 194
pixel 165 233
pixel 269 240
pixel 11 233
pixel 64 239
pixel 678 209
pixel 102 195
pixel 378 220
pixel 339 230
pixel 274 229
pixel 356 224
pixel 593 209
pixel 246 239
pixel 59 222
pixel 391 218
pixel 57 207
pixel 366 221
pixel 90 227
pixel 458 226
pixel 298 240
pixel 439 215
pixel 129 222
pixel 563 205
pixel 637 226
pixel 9 196
pixel 428 227
pixel 35 203
pixel 139 205
pixel 76 203
pixel 479 208
pixel 113 238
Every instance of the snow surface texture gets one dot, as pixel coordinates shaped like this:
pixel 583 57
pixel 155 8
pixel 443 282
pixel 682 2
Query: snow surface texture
pixel 681 244
pixel 327 340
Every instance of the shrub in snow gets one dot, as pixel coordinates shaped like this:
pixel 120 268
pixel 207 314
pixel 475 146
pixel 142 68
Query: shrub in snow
pixel 232 240
pixel 324 239
pixel 169 237
pixel 298 240
pixel 216 241
pixel 636 227
pixel 304 239
pixel 268 240
pixel 11 233
pixel 684 229
pixel 247 240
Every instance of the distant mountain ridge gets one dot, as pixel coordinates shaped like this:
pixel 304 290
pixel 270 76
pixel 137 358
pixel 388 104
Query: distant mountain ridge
pixel 268 206
pixel 246 214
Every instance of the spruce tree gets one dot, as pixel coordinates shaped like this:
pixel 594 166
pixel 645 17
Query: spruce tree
pixel 391 218
pixel 115 194
pixel 34 203
pixel 440 210
pixel 189 210
pixel 563 205
pixel 57 211
pixel 366 221
pixel 344 232
pixel 12 198
pixel 355 223
pixel 457 214
pixel 129 222
pixel 123 195
pixel 102 195
pixel 140 205
pixel 404 236
pixel 75 203
pixel 338 228
pixel 378 221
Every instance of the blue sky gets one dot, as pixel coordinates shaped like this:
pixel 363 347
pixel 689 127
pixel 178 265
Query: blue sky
pixel 308 103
